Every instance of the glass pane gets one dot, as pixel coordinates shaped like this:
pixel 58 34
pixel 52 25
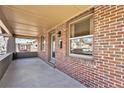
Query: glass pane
pixel 82 45
pixel 3 44
pixel 53 46
pixel 80 28
pixel 75 46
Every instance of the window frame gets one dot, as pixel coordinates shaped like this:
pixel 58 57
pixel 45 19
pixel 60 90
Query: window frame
pixel 70 38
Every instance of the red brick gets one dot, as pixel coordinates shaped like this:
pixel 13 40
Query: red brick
pixel 108 50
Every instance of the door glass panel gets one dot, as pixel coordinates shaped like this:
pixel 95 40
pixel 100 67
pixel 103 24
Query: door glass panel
pixel 53 46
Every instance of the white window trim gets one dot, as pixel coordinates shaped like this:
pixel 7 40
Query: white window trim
pixel 78 55
pixel 81 37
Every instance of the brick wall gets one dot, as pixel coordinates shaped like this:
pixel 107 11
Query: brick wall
pixel 107 67
pixel 109 44
pixel 44 54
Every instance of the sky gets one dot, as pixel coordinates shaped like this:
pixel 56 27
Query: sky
pixel 20 40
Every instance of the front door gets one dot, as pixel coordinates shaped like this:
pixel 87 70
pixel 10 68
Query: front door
pixel 53 55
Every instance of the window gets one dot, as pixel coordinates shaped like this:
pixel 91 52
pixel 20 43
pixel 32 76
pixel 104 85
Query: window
pixel 3 42
pixel 43 43
pixel 26 45
pixel 5 35
pixel 81 38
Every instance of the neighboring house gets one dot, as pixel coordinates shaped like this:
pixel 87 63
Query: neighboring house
pixel 26 45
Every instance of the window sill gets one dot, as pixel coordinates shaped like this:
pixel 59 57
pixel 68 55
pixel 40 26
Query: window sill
pixel 85 57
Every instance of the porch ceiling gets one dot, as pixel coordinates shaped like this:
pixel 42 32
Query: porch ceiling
pixel 31 20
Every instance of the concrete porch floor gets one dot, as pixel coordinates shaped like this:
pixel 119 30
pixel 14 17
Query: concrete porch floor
pixel 34 73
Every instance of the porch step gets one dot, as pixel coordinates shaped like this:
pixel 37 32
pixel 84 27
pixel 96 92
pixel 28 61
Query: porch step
pixel 51 64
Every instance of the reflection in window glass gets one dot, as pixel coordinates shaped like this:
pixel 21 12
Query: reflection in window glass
pixel 3 45
pixel 81 38
pixel 75 43
pixel 82 45
pixel 26 45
